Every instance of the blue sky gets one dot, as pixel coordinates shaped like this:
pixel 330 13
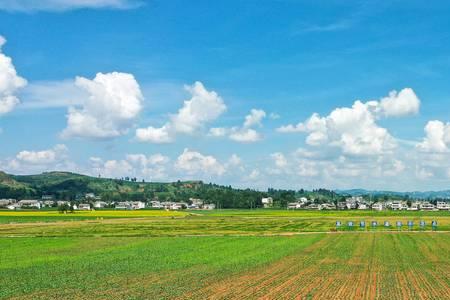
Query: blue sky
pixel 161 90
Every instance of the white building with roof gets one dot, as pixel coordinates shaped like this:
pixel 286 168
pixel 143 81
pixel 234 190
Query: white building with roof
pixel 441 205
pixel 267 202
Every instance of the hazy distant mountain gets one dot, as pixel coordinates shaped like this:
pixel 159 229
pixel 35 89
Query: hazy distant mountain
pixel 414 195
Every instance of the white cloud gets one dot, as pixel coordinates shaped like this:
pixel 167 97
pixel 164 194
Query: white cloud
pixel 32 161
pixel 64 5
pixel 400 104
pixel 396 168
pixel 423 174
pixel 254 118
pixel 42 157
pixel 203 107
pixel 10 82
pixel 146 161
pixel 437 137
pixel 235 160
pixel 115 101
pixel 193 162
pixel 254 174
pixel 150 167
pixel 354 129
pixel 245 135
pixel 274 116
pixel 111 168
pixel 51 94
pixel 218 131
pixel 151 134
pixel 279 159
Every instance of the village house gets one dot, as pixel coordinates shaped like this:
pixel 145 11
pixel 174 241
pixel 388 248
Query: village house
pixel 196 202
pixel 167 204
pixel 378 206
pixel 176 206
pixel 137 205
pixel 61 203
pixel 30 204
pixel 327 206
pixel 303 200
pixel 441 205
pixel 399 205
pixel 352 203
pixel 341 205
pixel 363 206
pixel 100 204
pixel 7 202
pixel 13 206
pixel 414 206
pixel 84 206
pixel 47 197
pixel 427 206
pixel 294 205
pixel 48 203
pixel 91 196
pixel 313 206
pixel 156 204
pixel 209 206
pixel 123 205
pixel 267 202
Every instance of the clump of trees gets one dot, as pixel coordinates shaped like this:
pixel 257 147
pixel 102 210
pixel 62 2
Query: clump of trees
pixel 65 208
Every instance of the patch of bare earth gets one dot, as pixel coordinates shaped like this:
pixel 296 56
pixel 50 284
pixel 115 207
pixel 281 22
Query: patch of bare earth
pixel 367 272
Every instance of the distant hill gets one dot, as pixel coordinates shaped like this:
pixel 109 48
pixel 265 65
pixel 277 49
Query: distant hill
pixel 67 185
pixel 73 187
pixel 11 188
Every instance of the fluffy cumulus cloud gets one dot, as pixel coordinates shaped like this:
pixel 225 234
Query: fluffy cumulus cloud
pixel 314 168
pixel 31 161
pixel 114 101
pixel 254 118
pixel 64 5
pixel 194 163
pixel 355 129
pixel 279 159
pixel 159 135
pixel 42 157
pixel 10 82
pixel 400 104
pixel 245 133
pixel 437 137
pixel 189 165
pixel 111 168
pixel 203 107
pixel 151 167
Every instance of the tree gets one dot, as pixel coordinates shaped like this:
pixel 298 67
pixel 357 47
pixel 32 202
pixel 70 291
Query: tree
pixel 63 209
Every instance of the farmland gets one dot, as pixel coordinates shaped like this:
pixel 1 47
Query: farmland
pixel 230 254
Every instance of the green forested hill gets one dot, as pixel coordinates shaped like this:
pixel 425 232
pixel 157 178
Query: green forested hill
pixel 72 186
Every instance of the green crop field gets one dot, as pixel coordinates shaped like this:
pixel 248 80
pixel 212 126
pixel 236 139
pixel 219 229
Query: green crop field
pixel 230 254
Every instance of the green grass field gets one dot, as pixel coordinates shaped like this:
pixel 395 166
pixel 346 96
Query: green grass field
pixel 232 254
